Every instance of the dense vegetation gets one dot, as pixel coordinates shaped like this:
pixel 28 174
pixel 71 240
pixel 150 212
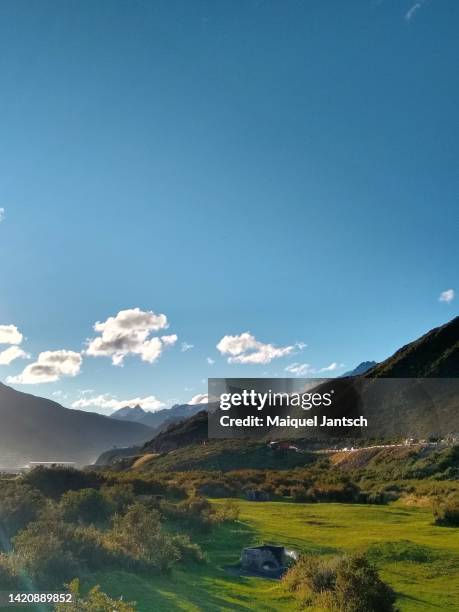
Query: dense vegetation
pixel 56 527
pixel 59 524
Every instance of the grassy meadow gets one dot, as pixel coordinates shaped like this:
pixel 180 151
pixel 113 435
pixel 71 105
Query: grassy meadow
pixel 419 560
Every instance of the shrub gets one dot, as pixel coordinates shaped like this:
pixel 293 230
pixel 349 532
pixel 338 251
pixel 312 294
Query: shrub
pixel 95 601
pixel 358 587
pixel 85 506
pixel 56 480
pixel 227 511
pixel 446 512
pixel 299 494
pixel 9 578
pixel 345 584
pixel 19 505
pixel 118 496
pixel 40 553
pixel 188 550
pixel 138 534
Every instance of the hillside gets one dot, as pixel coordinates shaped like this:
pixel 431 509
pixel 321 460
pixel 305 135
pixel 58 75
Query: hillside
pixel 37 429
pixel 189 431
pixel 433 355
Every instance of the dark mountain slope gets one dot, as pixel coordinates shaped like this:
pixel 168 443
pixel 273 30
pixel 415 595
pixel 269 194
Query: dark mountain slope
pixel 189 431
pixel 37 429
pixel 433 355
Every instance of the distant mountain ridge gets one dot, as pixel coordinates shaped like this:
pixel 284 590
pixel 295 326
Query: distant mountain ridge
pixel 37 429
pixel 156 419
pixel 363 367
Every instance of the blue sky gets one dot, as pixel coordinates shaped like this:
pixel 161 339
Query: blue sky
pixel 287 169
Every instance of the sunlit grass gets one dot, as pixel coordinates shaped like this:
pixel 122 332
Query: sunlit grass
pixel 419 560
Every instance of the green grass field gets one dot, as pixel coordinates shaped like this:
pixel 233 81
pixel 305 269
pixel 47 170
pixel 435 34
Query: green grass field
pixel 419 560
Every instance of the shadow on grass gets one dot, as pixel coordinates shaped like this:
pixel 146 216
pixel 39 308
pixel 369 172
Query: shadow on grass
pixel 192 586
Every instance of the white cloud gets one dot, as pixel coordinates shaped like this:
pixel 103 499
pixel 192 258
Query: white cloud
pixel 49 367
pixel 185 346
pixel 2 214
pixel 413 10
pixel 105 400
pixel 304 369
pixel 11 353
pixel 200 398
pixel 210 361
pixel 9 334
pixel 129 333
pixel 245 348
pixel 299 369
pixel 332 367
pixel 447 296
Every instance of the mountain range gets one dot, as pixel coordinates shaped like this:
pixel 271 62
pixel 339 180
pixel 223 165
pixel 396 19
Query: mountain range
pixel 434 355
pixel 37 429
pixel 157 419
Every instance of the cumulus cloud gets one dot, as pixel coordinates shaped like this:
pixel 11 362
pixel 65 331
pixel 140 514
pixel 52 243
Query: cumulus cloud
pixel 129 332
pixel 245 348
pixel 210 361
pixel 185 346
pixel 304 369
pixel 2 214
pixel 49 367
pixel 200 398
pixel 10 354
pixel 105 400
pixel 447 296
pixel 299 369
pixel 9 334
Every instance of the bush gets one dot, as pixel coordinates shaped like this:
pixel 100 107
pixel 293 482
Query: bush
pixel 118 496
pixel 358 587
pixel 9 578
pixel 41 554
pixel 95 601
pixel 345 584
pixel 19 505
pixel 299 494
pixel 193 512
pixel 446 512
pixel 138 535
pixel 56 480
pixel 227 511
pixel 84 506
pixel 188 550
